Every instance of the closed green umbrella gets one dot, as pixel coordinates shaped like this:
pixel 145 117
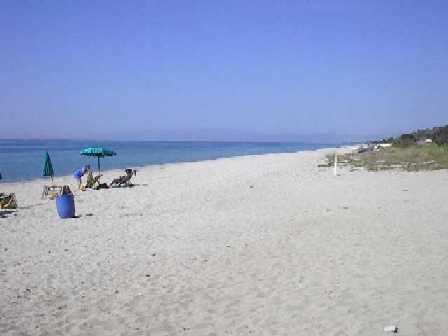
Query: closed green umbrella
pixel 99 152
pixel 48 167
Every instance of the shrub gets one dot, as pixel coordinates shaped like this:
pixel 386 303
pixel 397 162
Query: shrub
pixel 440 136
pixel 405 140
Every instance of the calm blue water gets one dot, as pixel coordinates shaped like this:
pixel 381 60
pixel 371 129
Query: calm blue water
pixel 24 159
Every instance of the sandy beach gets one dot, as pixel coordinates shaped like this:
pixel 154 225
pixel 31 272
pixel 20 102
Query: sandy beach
pixel 254 245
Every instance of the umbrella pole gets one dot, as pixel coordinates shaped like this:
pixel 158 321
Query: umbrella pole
pixel 99 169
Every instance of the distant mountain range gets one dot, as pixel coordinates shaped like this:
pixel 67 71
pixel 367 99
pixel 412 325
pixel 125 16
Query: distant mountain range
pixel 224 135
pixel 214 135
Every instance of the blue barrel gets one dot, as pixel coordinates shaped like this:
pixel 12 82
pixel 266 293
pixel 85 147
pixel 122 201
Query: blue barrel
pixel 66 206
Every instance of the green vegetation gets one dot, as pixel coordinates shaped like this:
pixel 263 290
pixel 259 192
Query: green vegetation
pixel 438 135
pixel 410 152
pixel 409 158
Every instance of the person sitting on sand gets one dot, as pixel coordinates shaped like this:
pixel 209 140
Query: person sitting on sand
pixel 79 173
pixel 92 182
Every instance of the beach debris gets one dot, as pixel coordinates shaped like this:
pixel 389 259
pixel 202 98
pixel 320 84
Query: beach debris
pixel 251 186
pixel 153 254
pixel 391 328
pixel 132 214
pixel 148 275
pixel 6 213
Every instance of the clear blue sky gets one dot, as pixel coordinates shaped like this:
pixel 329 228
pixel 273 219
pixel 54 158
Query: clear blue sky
pixel 221 69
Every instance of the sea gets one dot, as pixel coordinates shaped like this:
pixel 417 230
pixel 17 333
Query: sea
pixel 22 160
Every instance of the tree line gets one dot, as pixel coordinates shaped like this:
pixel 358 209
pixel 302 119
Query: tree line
pixel 438 135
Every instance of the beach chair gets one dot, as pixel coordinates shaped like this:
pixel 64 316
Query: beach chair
pixel 123 181
pixel 8 201
pixel 92 182
pixel 51 191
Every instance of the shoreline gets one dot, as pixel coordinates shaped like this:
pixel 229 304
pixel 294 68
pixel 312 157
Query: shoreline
pixel 120 171
pixel 150 153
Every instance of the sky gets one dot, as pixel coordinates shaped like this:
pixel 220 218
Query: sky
pixel 222 70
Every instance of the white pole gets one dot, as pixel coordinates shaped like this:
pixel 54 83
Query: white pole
pixel 335 164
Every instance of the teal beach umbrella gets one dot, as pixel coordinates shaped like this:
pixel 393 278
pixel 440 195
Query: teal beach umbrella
pixel 99 152
pixel 48 167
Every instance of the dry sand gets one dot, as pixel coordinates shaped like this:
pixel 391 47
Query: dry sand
pixel 260 245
